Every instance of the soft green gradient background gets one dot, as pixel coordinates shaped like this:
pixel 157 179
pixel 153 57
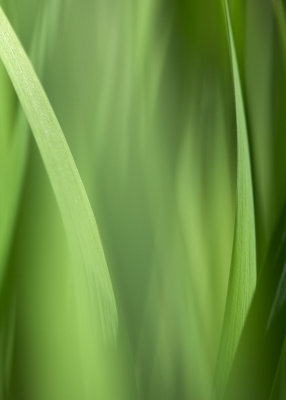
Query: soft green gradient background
pixel 144 95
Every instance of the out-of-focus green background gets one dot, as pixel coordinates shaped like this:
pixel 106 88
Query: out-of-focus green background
pixel 143 92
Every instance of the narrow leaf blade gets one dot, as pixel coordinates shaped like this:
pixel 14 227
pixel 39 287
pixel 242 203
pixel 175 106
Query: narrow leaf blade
pixel 91 271
pixel 242 279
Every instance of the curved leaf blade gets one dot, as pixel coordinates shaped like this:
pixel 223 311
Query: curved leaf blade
pixel 258 355
pixel 91 272
pixel 242 279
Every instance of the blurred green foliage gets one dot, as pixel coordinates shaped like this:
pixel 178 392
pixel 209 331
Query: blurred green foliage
pixel 144 94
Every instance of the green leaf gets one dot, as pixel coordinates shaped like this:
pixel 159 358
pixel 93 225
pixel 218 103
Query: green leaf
pixel 14 138
pixel 91 276
pixel 242 279
pixel 260 348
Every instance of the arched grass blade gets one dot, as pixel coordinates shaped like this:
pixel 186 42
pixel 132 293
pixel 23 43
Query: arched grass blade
pixel 242 279
pixel 93 284
pixel 14 137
